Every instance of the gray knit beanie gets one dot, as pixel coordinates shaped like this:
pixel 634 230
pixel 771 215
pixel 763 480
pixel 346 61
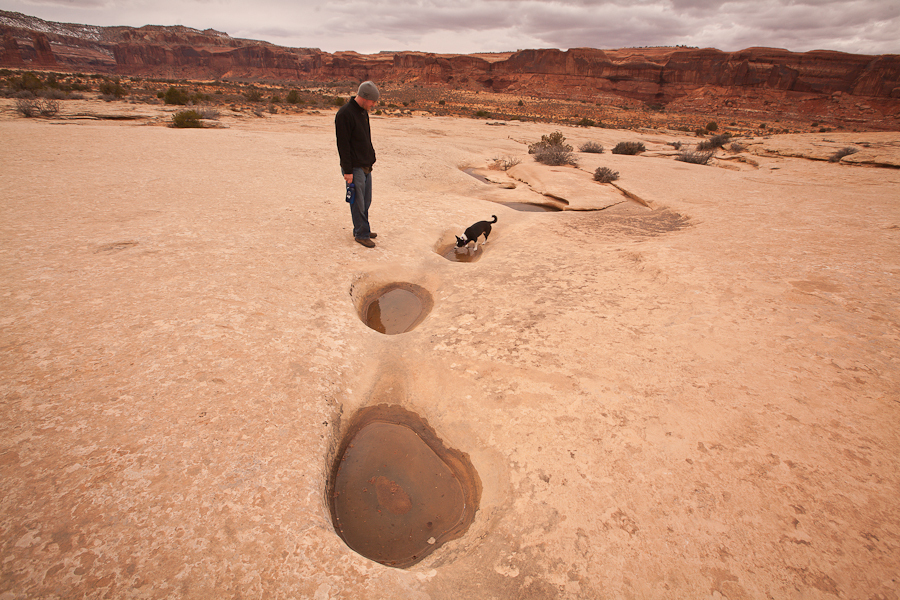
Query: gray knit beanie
pixel 369 91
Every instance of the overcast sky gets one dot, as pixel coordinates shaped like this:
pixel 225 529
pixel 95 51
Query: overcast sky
pixel 468 26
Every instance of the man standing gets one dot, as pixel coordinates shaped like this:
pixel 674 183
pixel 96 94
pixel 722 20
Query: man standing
pixel 354 142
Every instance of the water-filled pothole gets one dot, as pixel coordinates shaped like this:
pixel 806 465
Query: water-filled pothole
pixel 396 308
pixel 465 254
pixel 396 493
pixel 529 207
pixel 477 176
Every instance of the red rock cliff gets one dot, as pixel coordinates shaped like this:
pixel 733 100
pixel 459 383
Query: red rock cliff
pixel 652 75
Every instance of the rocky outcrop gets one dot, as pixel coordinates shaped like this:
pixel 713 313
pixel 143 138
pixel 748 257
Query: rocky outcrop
pixel 651 75
pixel 10 54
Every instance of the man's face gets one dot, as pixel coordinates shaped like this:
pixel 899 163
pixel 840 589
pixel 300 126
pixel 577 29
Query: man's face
pixel 365 104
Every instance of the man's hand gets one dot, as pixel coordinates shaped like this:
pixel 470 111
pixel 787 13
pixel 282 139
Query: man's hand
pixel 348 177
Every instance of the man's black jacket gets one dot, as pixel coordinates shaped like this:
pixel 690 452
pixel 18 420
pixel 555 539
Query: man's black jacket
pixel 354 138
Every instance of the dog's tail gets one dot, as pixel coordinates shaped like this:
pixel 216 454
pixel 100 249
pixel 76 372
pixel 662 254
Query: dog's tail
pixel 495 219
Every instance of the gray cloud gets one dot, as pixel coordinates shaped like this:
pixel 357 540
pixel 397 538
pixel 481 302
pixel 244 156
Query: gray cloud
pixel 465 26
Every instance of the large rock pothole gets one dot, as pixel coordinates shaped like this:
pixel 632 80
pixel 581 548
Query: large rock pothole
pixel 396 493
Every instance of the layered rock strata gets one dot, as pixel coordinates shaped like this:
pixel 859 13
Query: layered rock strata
pixel 651 75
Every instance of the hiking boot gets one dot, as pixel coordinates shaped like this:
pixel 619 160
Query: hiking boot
pixel 373 235
pixel 365 242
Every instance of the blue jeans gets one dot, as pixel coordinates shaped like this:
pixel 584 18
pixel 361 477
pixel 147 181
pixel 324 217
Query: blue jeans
pixel 359 210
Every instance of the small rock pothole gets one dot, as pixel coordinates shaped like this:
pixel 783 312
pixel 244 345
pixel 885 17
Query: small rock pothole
pixel 396 308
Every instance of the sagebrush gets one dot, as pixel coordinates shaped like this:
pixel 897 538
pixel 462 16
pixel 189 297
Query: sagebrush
pixel 32 107
pixel 186 119
pixel 506 163
pixel 591 147
pixel 554 139
pixel 696 157
pixel 605 175
pixel 553 150
pixel 631 148
pixel 176 96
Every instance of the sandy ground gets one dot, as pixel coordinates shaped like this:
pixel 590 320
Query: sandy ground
pixel 695 399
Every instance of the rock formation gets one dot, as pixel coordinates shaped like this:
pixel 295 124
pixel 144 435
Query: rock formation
pixel 650 75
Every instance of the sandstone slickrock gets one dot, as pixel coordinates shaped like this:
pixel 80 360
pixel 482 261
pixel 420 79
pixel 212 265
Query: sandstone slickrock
pixel 694 400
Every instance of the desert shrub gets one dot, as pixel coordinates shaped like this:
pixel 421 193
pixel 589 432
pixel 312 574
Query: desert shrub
pixel 482 114
pixel 553 150
pixel 585 122
pixel 605 175
pixel 26 81
pixel 27 107
pixel 55 94
pixel 554 139
pixel 737 147
pixel 716 141
pixel 697 157
pixel 253 95
pixel 629 148
pixel 712 126
pixel 175 96
pixel 676 145
pixel 506 163
pixel 700 132
pixel 293 97
pixel 837 156
pixel 32 107
pixel 186 119
pixel 112 87
pixel 48 107
pixel 591 147
pixel 555 156
pixel 338 101
pixel 76 86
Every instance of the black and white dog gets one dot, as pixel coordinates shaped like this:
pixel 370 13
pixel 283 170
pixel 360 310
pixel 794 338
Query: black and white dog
pixel 474 232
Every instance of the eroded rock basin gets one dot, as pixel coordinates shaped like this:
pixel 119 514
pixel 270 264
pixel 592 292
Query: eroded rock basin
pixel 530 207
pixel 397 493
pixel 396 308
pixel 465 255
